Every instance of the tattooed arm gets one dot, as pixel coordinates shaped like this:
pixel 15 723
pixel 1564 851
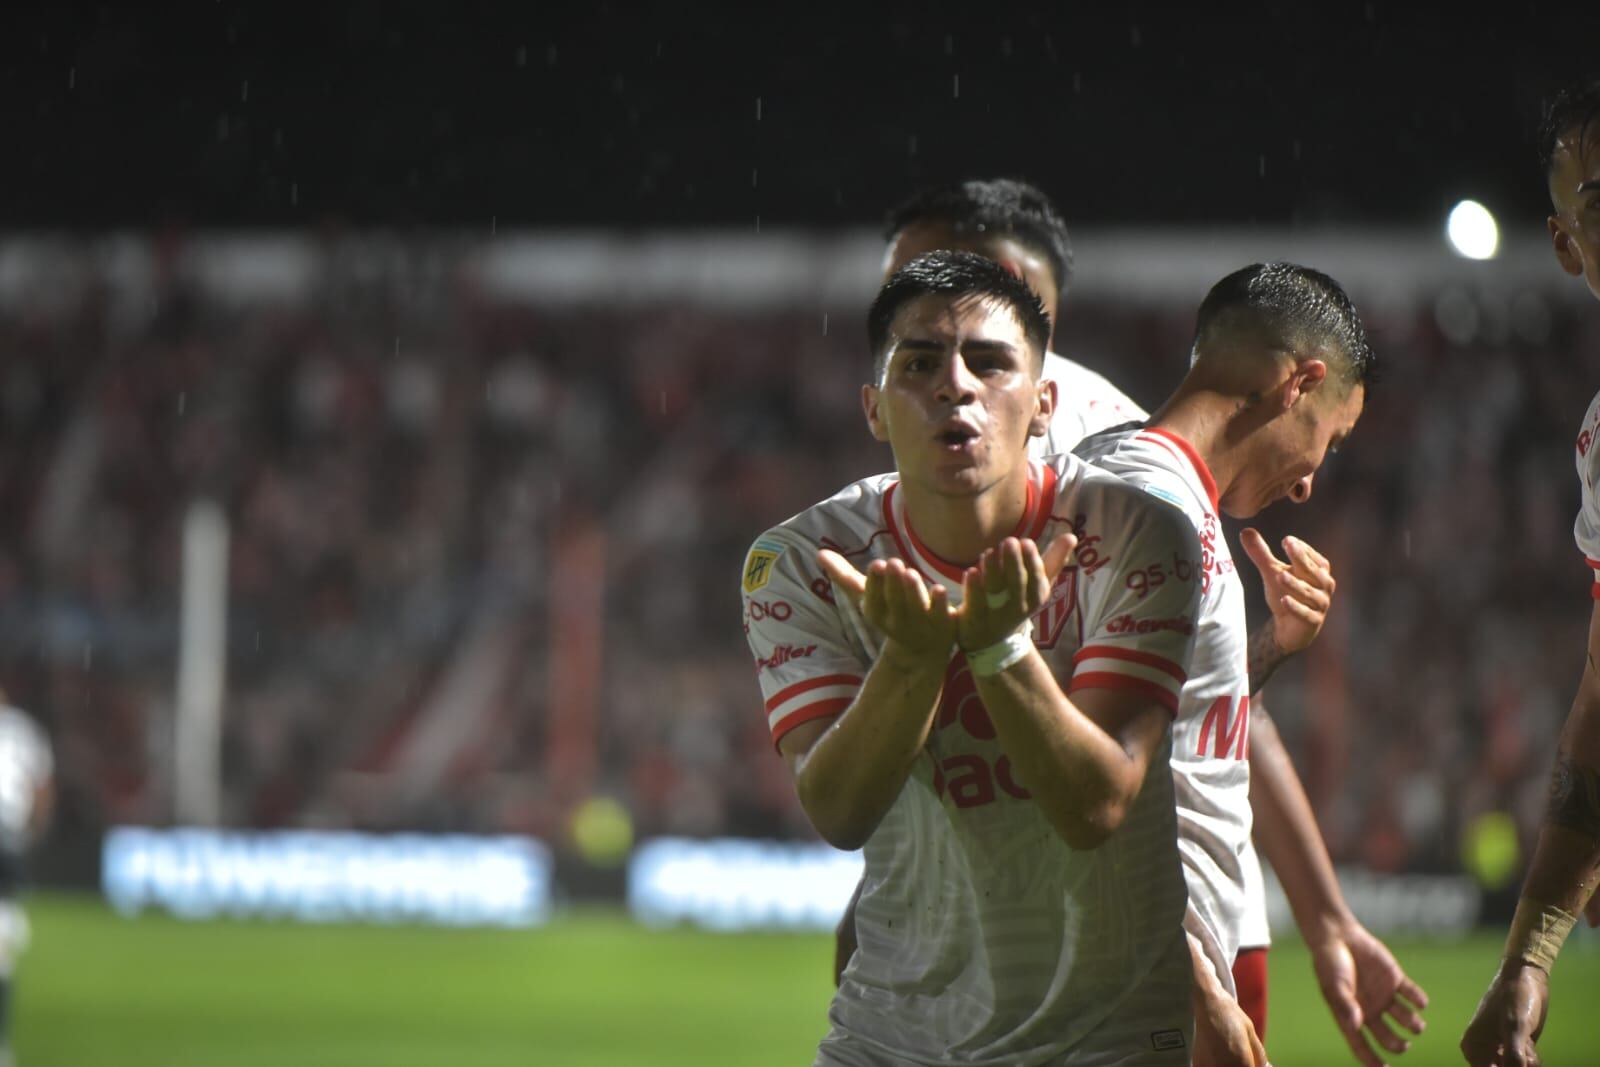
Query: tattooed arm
pixel 1561 878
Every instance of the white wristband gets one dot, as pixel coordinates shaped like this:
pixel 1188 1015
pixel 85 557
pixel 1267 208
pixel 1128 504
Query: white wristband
pixel 1006 652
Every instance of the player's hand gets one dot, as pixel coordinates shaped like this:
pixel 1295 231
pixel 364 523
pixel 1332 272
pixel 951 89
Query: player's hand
pixel 1224 1036
pixel 1368 992
pixel 1008 585
pixel 1509 1019
pixel 1298 592
pixel 915 617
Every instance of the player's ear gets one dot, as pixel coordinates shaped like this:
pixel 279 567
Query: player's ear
pixel 1039 425
pixel 875 419
pixel 1568 254
pixel 1308 376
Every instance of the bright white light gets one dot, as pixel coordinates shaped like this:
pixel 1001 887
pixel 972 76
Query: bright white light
pixel 1472 231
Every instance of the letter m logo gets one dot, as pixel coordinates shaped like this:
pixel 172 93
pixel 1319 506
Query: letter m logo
pixel 1234 736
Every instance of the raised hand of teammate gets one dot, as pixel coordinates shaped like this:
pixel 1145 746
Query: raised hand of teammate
pixel 1509 1019
pixel 1368 991
pixel 1299 591
pixel 1009 583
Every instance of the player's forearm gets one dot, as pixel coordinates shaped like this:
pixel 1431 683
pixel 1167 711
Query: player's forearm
pixel 855 770
pixel 1566 862
pixel 1264 655
pixel 1079 775
pixel 1286 832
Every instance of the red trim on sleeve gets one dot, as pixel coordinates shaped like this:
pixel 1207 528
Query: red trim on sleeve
pixel 1132 655
pixel 1107 680
pixel 790 692
pixel 1207 482
pixel 821 709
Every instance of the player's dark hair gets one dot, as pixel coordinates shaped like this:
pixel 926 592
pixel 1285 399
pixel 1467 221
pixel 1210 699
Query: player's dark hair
pixel 1576 106
pixel 956 275
pixel 1004 206
pixel 1296 307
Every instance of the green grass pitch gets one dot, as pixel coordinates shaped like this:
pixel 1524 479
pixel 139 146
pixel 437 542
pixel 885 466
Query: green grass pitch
pixel 588 990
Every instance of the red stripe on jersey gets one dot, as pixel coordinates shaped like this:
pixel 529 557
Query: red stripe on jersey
pixel 790 692
pixel 1207 482
pixel 1042 505
pixel 1594 590
pixel 1132 655
pixel 821 709
pixel 1107 680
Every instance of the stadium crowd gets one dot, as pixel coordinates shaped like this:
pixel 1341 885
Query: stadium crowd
pixel 409 464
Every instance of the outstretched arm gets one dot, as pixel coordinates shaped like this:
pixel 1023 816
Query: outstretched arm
pixel 1083 758
pixel 1561 878
pixel 1363 984
pixel 849 769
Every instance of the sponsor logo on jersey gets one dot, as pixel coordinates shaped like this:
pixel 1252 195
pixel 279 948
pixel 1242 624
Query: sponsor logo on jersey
pixel 759 563
pixel 783 654
pixel 1165 1040
pixel 760 610
pixel 1127 624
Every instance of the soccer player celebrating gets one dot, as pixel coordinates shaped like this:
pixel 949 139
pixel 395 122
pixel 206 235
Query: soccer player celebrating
pixel 1566 861
pixel 1277 380
pixel 1016 225
pixel 988 723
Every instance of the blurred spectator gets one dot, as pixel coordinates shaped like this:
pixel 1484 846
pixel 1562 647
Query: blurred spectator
pixel 397 453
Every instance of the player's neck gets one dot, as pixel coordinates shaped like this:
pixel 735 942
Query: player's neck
pixel 1205 420
pixel 958 529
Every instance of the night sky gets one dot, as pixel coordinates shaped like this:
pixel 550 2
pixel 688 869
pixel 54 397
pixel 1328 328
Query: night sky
pixel 649 116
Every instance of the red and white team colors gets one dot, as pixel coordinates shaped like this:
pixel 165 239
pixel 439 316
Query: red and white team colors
pixel 1211 738
pixel 984 938
pixel 1586 531
pixel 1086 403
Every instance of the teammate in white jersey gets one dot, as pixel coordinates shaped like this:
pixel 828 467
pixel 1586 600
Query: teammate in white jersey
pixel 1277 379
pixel 1015 224
pixel 1566 861
pixel 989 724
pixel 27 776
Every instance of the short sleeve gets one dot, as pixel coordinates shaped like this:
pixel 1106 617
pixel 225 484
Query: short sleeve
pixel 1586 530
pixel 806 663
pixel 1139 573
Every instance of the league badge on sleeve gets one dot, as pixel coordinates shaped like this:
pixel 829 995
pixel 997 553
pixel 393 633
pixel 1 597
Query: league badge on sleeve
pixel 758 565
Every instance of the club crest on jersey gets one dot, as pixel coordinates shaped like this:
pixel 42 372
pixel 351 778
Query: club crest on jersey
pixel 759 563
pixel 1063 601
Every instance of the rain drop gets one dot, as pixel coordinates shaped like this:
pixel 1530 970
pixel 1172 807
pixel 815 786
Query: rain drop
pixel 753 183
pixel 663 401
pixel 758 109
pixel 1262 165
pixel 522 55
pixel 1133 34
pixel 1077 81
pixel 72 78
pixel 911 145
pixel 244 92
pixel 550 56
pixel 294 193
pixel 824 324
pixel 183 399
pixel 956 92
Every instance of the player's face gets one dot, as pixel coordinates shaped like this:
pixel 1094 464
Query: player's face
pixel 959 395
pixel 1294 448
pixel 1575 193
pixel 921 238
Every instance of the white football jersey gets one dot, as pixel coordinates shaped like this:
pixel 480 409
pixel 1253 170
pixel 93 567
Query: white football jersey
pixel 25 765
pixel 1086 403
pixel 983 937
pixel 1586 530
pixel 1211 738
